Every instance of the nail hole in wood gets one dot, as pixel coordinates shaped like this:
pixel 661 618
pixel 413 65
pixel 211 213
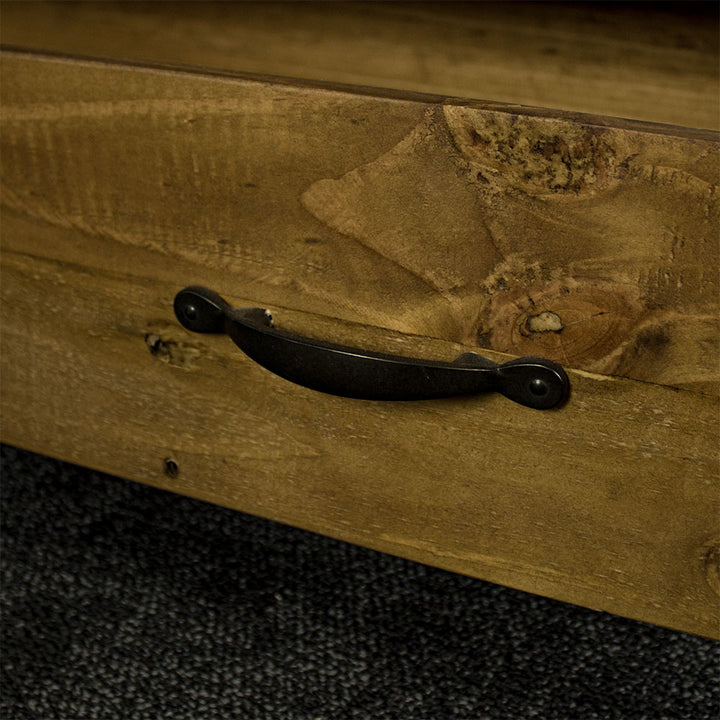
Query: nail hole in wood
pixel 170 468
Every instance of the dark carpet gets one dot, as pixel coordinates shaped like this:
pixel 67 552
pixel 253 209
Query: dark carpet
pixel 122 601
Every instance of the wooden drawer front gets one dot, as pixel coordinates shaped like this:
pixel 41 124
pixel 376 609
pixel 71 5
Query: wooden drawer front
pixel 412 225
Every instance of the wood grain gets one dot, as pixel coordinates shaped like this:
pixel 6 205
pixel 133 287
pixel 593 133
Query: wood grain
pixel 649 61
pixel 466 222
pixel 610 503
pixel 409 226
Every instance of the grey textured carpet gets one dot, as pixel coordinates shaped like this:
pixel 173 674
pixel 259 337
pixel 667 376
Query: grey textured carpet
pixel 122 601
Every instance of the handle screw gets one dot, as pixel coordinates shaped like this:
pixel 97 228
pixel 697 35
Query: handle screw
pixel 538 387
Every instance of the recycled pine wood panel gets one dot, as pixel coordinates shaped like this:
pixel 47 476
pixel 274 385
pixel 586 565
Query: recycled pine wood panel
pixel 590 242
pixel 610 503
pixel 649 61
pixel 412 225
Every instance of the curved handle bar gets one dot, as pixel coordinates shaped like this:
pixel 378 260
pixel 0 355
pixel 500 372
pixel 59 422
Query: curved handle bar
pixel 349 372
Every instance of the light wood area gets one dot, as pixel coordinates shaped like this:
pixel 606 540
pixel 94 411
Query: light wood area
pixel 649 61
pixel 415 226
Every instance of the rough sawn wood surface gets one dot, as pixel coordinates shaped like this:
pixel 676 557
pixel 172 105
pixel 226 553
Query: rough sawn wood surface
pixel 414 225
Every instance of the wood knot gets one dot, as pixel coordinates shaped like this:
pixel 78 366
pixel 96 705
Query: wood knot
pixel 169 350
pixel 535 155
pixel 576 322
pixel 546 321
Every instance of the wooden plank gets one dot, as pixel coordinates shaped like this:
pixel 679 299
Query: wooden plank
pixel 590 243
pixel 341 212
pixel 656 62
pixel 610 503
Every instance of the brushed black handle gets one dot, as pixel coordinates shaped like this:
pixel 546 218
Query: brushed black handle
pixel 349 372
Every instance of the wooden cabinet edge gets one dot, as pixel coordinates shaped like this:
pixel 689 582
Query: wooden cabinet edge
pixel 522 51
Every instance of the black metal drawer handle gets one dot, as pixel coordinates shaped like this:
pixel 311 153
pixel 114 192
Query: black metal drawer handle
pixel 349 372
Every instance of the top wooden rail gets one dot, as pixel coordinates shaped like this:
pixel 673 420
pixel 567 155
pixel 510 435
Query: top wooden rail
pixel 649 61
